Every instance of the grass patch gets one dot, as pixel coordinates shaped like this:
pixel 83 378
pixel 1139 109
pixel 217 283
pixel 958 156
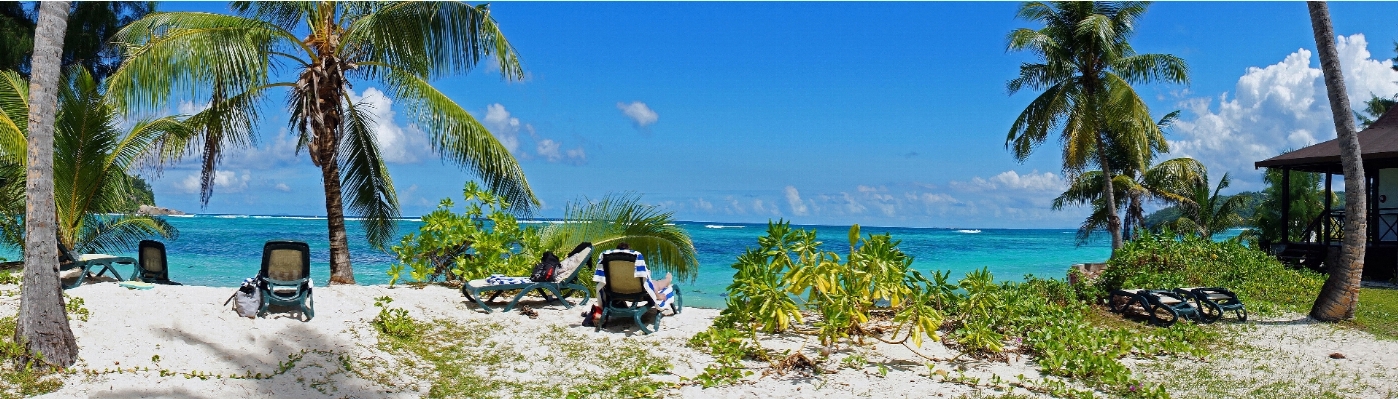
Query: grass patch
pixel 479 359
pixel 1377 312
pixel 19 380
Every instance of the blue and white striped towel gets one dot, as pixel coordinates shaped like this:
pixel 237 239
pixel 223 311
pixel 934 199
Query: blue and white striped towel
pixel 497 279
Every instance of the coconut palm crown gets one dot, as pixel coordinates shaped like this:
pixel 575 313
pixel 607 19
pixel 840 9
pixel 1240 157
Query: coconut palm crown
pixel 321 48
pixel 1085 70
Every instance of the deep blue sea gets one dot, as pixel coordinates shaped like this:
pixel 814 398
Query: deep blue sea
pixel 222 250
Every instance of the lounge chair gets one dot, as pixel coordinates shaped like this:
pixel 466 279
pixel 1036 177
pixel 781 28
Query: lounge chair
pixel 68 260
pixel 154 267
pixel 624 289
pixel 285 277
pixel 1162 308
pixel 565 283
pixel 1214 301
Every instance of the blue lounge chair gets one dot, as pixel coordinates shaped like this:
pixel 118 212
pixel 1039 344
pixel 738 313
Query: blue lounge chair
pixel 1163 308
pixel 565 283
pixel 285 277
pixel 102 263
pixel 1214 301
pixel 623 291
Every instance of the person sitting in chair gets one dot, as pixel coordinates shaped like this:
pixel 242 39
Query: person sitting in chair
pixel 660 290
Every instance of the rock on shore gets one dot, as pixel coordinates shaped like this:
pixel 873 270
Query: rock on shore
pixel 150 210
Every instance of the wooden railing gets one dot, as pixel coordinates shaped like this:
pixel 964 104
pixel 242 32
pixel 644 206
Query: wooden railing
pixel 1329 227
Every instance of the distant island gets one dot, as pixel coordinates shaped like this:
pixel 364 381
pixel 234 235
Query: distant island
pixel 151 210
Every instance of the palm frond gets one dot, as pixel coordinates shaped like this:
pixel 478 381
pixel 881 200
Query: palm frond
pixel 429 39
pixel 623 218
pixel 365 179
pixel 461 139
pixel 120 233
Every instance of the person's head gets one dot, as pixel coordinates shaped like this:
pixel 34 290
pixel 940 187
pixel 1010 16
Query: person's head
pixel 623 245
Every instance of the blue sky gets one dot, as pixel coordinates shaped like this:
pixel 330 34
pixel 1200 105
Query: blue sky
pixel 888 114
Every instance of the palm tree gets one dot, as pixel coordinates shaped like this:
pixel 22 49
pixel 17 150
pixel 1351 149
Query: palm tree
pixel 1340 293
pixel 401 46
pixel 43 325
pixel 1086 68
pixel 92 158
pixel 1166 182
pixel 623 218
pixel 1205 214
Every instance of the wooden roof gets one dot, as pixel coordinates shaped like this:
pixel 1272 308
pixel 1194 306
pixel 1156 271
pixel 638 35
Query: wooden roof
pixel 1378 146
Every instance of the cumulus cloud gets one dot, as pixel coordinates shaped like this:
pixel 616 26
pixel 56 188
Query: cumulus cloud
pixel 397 144
pixel 793 199
pixel 505 127
pixel 639 113
pixel 1275 108
pixel 225 181
pixel 282 187
pixel 508 129
pixel 1033 181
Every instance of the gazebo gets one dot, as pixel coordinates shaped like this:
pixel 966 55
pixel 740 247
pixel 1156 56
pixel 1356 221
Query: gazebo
pixel 1320 242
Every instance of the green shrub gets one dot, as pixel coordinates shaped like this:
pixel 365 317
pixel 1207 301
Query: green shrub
pixel 1261 282
pixel 481 240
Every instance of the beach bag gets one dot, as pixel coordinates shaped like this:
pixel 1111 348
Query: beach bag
pixel 544 271
pixel 247 300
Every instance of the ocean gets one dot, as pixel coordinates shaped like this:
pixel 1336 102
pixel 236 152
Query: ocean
pixel 222 250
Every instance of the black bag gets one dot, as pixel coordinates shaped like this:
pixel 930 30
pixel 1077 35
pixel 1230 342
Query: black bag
pixel 547 267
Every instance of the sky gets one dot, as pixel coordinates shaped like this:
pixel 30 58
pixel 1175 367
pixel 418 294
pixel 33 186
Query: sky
pixel 883 114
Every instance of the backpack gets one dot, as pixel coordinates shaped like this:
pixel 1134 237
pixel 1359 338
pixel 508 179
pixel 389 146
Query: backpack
pixel 247 300
pixel 547 267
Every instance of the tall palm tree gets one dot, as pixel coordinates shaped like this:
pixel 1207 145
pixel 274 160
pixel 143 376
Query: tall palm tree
pixel 1205 213
pixel 1086 68
pixel 1167 182
pixel 1340 293
pixel 623 218
pixel 43 324
pixel 233 62
pixel 92 160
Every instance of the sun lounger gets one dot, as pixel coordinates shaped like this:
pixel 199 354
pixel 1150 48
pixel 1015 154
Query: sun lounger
pixel 154 267
pixel 1163 308
pixel 565 283
pixel 1214 301
pixel 625 290
pixel 285 277
pixel 68 260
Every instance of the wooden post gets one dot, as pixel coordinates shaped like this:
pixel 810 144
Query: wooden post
pixel 1373 191
pixel 1326 213
pixel 1286 206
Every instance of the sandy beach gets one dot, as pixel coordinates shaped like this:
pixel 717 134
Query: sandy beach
pixel 181 341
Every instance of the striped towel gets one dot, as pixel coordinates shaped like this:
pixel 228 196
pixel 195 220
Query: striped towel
pixel 662 298
pixel 497 279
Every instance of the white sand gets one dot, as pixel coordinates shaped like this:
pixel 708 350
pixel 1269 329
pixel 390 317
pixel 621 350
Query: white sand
pixel 192 332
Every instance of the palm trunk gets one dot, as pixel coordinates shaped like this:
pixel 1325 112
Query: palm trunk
pixel 43 324
pixel 340 270
pixel 1113 219
pixel 1340 293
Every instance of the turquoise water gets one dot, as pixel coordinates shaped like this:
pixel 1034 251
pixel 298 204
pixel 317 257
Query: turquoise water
pixel 222 250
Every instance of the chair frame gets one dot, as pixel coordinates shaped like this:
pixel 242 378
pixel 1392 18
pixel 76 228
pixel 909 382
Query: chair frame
pixel 561 290
pixel 1156 302
pixel 104 263
pixel 634 305
pixel 1214 301
pixel 162 277
pixel 301 298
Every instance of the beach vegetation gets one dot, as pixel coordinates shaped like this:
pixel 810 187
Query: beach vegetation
pixel 1205 214
pixel 1167 182
pixel 94 164
pixel 1162 260
pixel 622 217
pixel 1085 69
pixel 233 62
pixel 1377 312
pixel 483 239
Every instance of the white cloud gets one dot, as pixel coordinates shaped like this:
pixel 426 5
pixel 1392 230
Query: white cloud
pixel 397 144
pixel 793 199
pixel 282 187
pixel 1011 180
pixel 639 112
pixel 225 181
pixel 1274 108
pixel 507 130
pixel 704 205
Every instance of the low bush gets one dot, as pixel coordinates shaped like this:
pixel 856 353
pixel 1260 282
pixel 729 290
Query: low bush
pixel 1162 261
